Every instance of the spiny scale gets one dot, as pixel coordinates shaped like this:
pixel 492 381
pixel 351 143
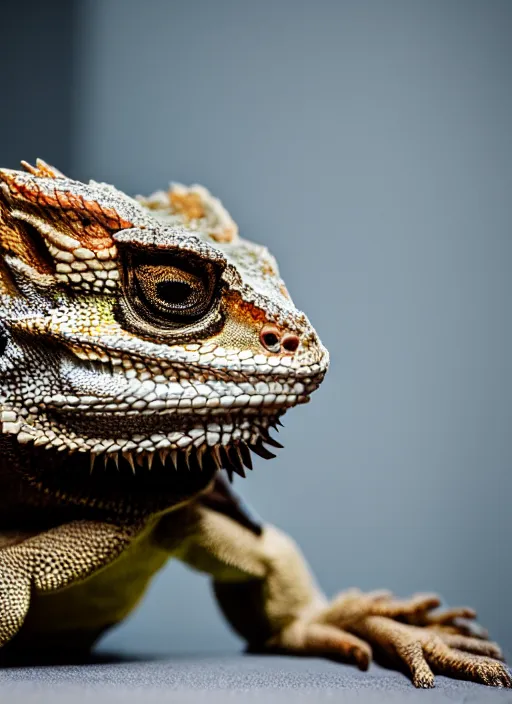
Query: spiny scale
pixel 233 460
pixel 269 439
pixel 259 448
pixel 129 458
pixel 232 457
pixel 199 456
pixel 215 453
pixel 246 455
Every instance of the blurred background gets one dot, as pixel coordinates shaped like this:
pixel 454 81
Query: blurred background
pixel 369 145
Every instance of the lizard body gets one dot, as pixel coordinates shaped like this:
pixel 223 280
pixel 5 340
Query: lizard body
pixel 146 350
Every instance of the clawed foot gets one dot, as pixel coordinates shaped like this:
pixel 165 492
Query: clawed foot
pixel 408 631
pixel 421 648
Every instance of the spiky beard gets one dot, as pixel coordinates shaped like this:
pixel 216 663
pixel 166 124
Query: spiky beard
pixel 135 483
pixel 232 457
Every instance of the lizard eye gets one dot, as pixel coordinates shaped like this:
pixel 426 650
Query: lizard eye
pixel 181 292
pixel 170 294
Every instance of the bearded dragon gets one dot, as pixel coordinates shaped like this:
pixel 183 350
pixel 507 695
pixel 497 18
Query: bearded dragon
pixel 146 351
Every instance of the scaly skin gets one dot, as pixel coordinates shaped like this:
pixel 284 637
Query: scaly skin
pixel 146 348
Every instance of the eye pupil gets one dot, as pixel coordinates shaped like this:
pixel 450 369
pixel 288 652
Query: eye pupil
pixel 173 291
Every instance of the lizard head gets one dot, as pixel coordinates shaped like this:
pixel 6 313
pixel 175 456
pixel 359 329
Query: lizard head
pixel 146 332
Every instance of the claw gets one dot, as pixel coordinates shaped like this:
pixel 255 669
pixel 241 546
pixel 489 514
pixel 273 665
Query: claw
pixel 447 616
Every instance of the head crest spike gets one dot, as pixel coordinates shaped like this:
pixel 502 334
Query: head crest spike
pixel 42 169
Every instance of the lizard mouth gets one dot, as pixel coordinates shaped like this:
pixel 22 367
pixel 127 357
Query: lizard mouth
pixel 112 420
pixel 113 423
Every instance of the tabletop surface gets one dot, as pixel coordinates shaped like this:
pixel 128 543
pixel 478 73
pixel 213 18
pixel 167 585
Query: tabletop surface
pixel 111 679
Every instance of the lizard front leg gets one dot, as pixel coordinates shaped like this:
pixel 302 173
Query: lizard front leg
pixel 266 591
pixel 51 560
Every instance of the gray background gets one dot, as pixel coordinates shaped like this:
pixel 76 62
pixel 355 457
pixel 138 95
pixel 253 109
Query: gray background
pixel 368 144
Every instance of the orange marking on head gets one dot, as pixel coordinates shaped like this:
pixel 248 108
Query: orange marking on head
pixel 88 221
pixel 225 235
pixel 267 269
pixel 243 309
pixel 188 205
pixel 284 291
pixel 64 200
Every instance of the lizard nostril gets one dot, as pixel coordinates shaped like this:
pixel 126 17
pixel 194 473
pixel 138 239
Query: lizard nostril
pixel 275 341
pixel 290 342
pixel 270 338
